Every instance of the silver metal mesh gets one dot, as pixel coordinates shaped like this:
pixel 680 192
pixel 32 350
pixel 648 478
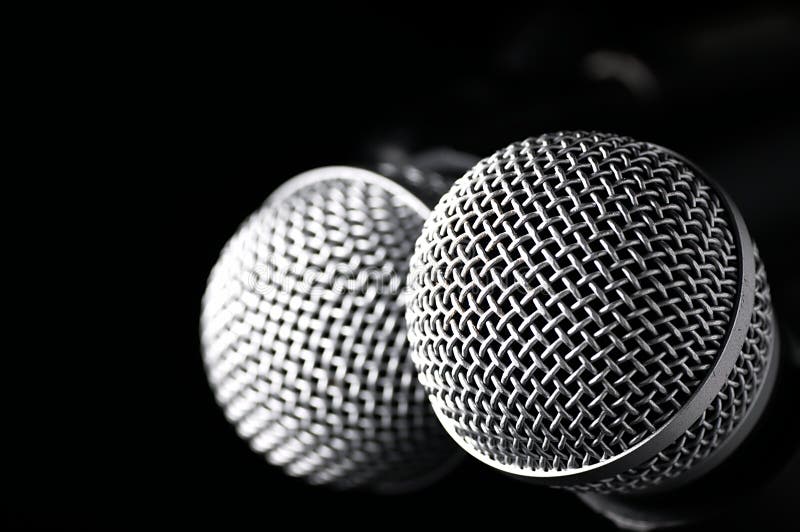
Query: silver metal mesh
pixel 568 296
pixel 723 415
pixel 304 338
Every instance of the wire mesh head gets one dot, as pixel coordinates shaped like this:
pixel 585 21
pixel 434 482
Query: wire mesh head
pixel 304 339
pixel 572 299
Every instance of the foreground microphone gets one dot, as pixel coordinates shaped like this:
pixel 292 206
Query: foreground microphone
pixel 589 311
pixel 304 338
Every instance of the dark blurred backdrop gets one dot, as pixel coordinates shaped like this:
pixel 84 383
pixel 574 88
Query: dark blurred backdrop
pixel 247 102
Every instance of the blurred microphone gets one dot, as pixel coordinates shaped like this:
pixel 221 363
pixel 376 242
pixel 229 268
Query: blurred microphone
pixel 304 337
pixel 589 311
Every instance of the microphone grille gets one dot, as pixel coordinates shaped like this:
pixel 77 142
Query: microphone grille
pixel 723 416
pixel 304 339
pixel 569 296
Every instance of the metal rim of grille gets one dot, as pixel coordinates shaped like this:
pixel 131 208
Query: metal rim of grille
pixel 685 416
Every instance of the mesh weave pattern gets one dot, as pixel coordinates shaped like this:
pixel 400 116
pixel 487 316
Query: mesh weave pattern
pixel 305 343
pixel 568 295
pixel 724 413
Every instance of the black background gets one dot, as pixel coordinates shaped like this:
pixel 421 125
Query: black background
pixel 246 103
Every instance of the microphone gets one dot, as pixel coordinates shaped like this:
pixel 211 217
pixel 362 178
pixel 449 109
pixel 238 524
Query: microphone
pixel 589 311
pixel 303 335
